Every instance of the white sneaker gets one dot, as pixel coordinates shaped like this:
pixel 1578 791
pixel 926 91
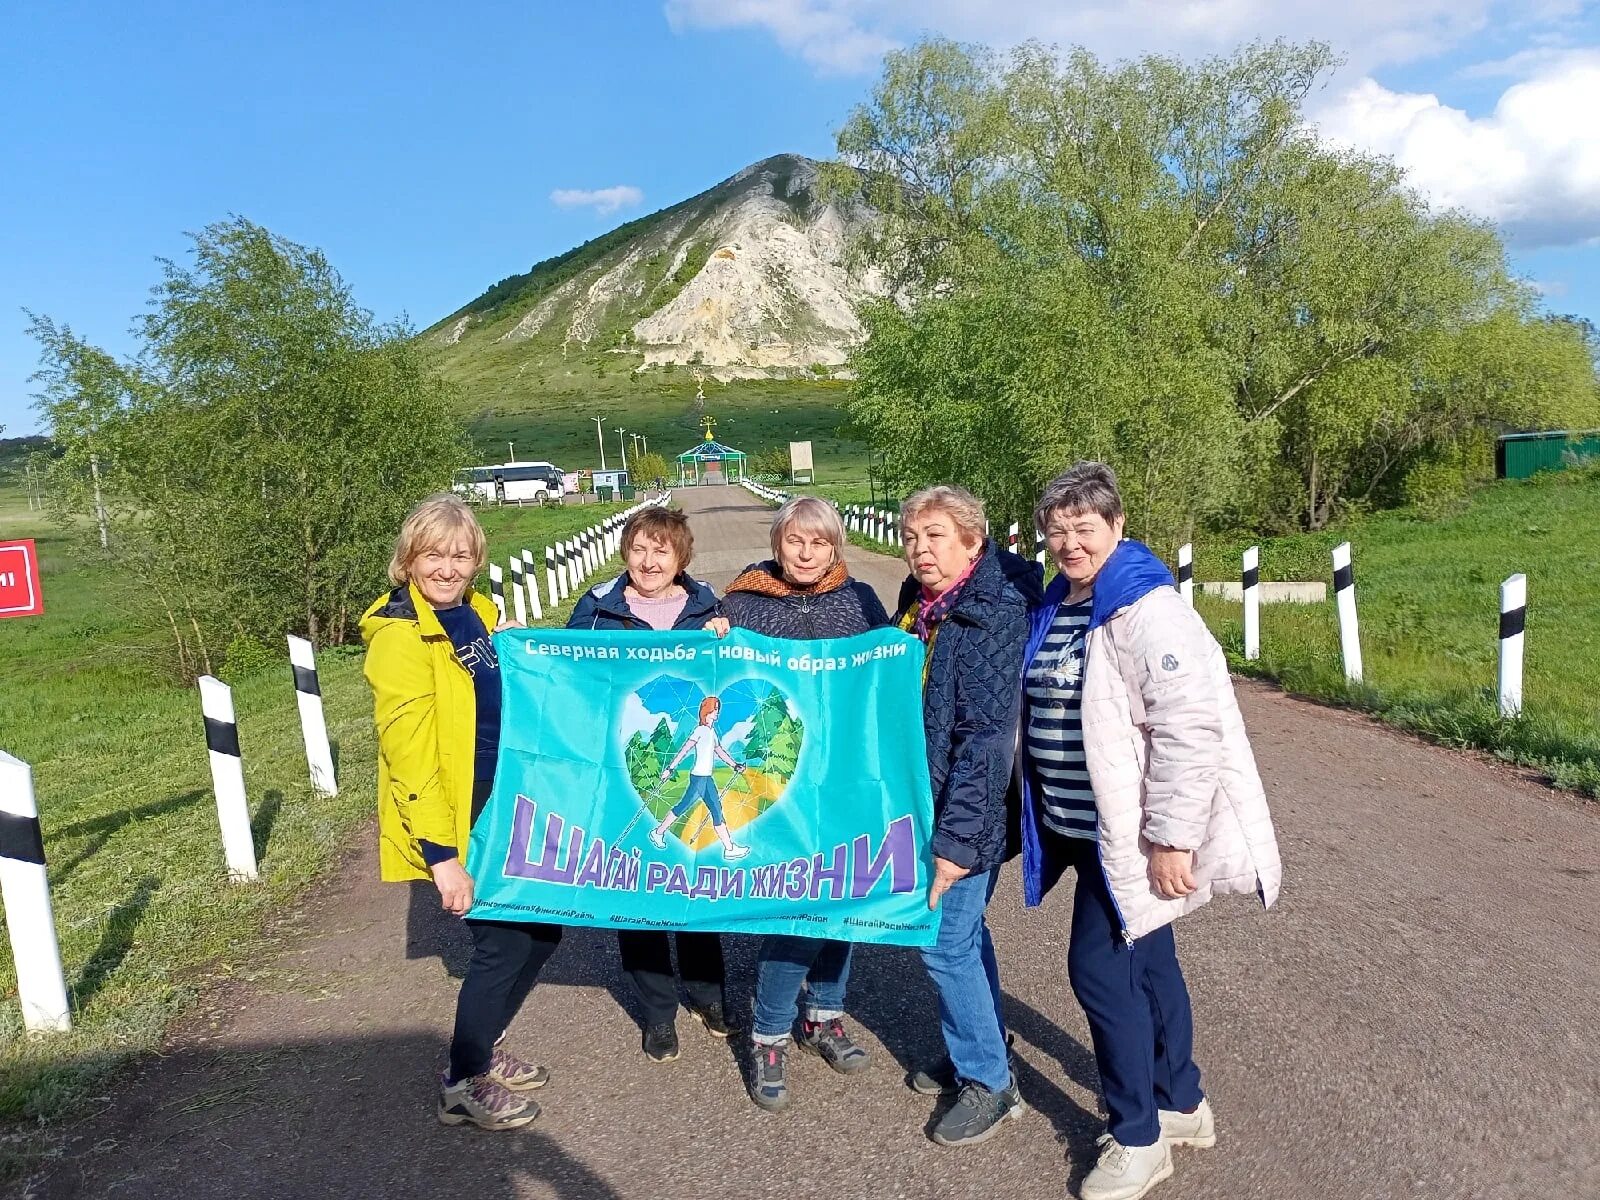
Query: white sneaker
pixel 658 839
pixel 1198 1128
pixel 734 852
pixel 1126 1172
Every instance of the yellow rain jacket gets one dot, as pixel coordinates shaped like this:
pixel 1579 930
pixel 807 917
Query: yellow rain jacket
pixel 426 712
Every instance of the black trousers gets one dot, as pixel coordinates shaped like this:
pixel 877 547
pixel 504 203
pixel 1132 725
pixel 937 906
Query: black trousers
pixel 507 957
pixel 647 958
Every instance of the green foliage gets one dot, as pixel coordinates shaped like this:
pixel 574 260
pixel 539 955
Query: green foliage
pixel 246 657
pixel 1155 263
pixel 648 468
pixel 771 462
pixel 259 455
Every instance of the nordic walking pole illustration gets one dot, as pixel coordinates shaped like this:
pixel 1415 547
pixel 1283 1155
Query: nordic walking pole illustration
pixel 643 808
pixel 707 748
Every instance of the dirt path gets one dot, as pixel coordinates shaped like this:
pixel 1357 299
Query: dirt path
pixel 1415 1019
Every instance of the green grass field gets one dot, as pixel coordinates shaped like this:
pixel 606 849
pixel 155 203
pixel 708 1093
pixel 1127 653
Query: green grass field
pixel 122 777
pixel 1428 596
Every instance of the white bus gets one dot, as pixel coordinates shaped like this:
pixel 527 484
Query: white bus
pixel 512 483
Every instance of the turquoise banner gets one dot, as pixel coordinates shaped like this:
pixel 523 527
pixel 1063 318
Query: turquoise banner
pixel 681 781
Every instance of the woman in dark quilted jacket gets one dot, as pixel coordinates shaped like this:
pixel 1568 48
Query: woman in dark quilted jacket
pixel 968 601
pixel 803 591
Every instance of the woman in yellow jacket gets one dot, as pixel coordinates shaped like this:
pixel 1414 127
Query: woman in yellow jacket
pixel 436 686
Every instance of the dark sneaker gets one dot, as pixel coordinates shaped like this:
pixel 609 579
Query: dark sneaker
pixel 936 1079
pixel 939 1079
pixel 976 1115
pixel 829 1041
pixel 769 1085
pixel 661 1042
pixel 516 1074
pixel 485 1103
pixel 711 1017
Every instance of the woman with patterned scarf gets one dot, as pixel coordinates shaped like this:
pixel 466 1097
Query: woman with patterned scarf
pixel 803 591
pixel 968 601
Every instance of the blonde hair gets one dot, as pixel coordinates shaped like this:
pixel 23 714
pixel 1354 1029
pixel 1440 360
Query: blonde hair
pixel 432 523
pixel 965 509
pixel 807 514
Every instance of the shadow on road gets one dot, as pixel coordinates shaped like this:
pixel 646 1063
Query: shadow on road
pixel 300 1119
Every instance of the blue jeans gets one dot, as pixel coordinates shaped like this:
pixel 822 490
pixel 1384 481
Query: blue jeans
pixel 702 788
pixel 1137 1005
pixel 963 968
pixel 785 965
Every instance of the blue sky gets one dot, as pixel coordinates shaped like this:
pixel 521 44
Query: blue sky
pixel 420 147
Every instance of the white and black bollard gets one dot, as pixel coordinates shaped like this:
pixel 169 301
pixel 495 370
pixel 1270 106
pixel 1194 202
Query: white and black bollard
pixel 519 602
pixel 497 589
pixel 25 894
pixel 1252 603
pixel 1513 621
pixel 1344 596
pixel 574 573
pixel 1186 573
pixel 563 569
pixel 1011 537
pixel 313 724
pixel 530 576
pixel 227 778
pixel 1039 549
pixel 591 539
pixel 550 575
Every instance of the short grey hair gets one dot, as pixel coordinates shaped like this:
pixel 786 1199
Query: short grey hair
pixel 808 514
pixel 965 509
pixel 1086 487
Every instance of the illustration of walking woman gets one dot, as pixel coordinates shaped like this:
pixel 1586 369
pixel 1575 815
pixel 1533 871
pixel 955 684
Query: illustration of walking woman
pixel 702 785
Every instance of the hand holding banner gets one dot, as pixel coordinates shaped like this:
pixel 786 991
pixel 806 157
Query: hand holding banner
pixel 680 781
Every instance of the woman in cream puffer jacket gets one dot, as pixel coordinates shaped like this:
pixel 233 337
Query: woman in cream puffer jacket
pixel 1136 773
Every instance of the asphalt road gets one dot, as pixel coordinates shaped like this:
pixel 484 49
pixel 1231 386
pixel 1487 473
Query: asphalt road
pixel 1415 1018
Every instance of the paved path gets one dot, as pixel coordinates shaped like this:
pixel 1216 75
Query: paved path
pixel 1415 1019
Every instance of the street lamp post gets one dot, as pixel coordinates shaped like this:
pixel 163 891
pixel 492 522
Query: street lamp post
pixel 622 446
pixel 598 438
pixel 511 452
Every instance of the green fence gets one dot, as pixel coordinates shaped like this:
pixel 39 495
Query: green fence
pixel 1519 455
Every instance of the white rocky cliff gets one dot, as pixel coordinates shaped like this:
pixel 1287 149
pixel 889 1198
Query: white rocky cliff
pixel 771 294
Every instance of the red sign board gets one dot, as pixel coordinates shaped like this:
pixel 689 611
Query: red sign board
pixel 19 580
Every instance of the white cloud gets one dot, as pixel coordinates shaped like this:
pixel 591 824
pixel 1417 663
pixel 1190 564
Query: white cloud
pixel 852 35
pixel 602 200
pixel 1532 166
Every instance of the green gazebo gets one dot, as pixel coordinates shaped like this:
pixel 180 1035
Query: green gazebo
pixel 710 462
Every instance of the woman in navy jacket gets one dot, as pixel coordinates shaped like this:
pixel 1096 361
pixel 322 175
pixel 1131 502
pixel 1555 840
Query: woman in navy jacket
pixel 655 592
pixel 968 601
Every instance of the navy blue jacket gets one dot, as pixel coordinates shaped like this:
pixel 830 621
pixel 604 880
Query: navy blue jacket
pixel 971 702
pixel 605 606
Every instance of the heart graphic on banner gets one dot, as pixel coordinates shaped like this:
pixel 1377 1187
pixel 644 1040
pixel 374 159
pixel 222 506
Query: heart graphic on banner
pixel 672 725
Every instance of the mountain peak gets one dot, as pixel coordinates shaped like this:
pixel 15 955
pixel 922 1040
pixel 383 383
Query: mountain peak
pixel 746 278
